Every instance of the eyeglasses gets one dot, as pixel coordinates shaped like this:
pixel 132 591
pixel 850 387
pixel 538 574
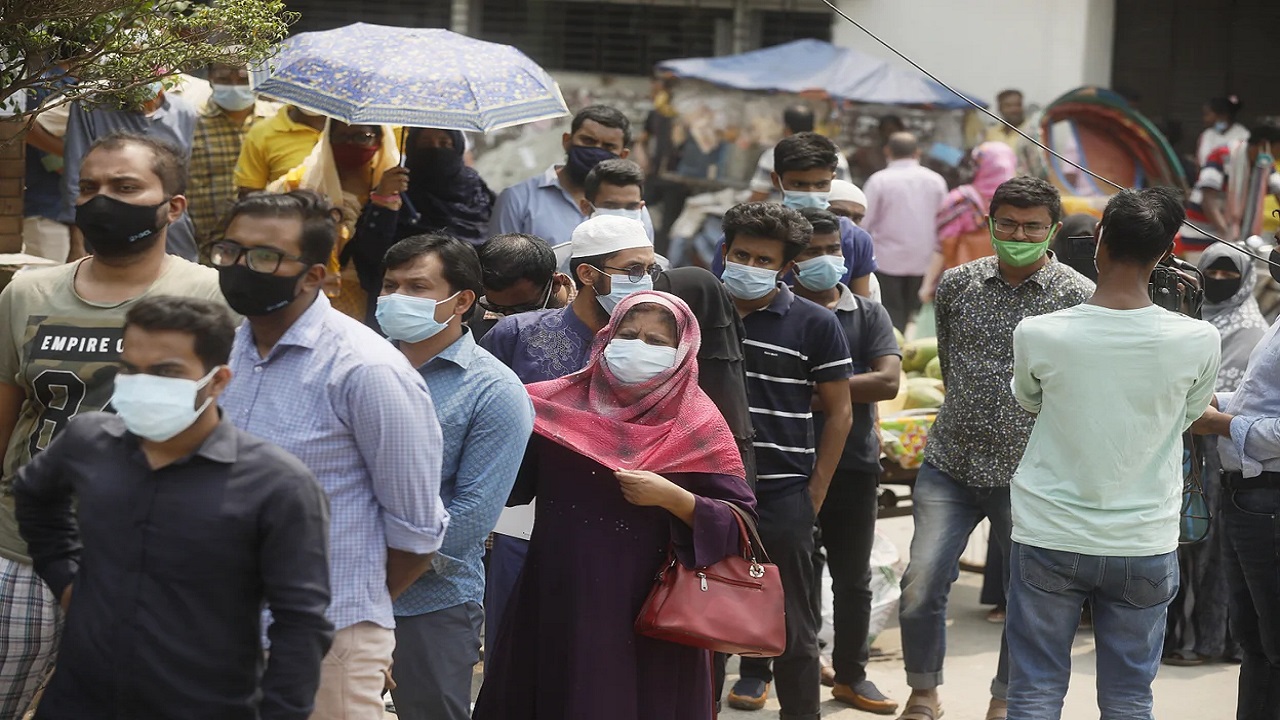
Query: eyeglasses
pixel 225 253
pixel 1033 231
pixel 367 139
pixel 637 272
pixel 493 307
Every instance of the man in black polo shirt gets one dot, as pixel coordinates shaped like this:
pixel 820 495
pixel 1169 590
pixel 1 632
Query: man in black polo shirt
pixel 848 517
pixel 794 349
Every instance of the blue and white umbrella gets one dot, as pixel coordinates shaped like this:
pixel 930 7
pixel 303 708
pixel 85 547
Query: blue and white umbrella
pixel 416 77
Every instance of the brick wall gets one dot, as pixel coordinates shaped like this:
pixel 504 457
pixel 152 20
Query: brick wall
pixel 12 167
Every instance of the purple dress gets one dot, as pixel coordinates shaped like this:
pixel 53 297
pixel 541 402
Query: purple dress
pixel 568 650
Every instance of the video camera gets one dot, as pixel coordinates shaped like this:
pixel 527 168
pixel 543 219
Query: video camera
pixel 1175 285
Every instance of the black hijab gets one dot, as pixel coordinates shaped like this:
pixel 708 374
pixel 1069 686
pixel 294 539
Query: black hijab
pixel 448 195
pixel 721 373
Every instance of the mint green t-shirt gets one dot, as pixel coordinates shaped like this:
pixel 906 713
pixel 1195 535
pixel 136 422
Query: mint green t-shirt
pixel 1113 391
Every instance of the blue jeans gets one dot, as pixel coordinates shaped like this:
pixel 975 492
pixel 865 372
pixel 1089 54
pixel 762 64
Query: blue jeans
pixel 1251 527
pixel 945 513
pixel 1130 597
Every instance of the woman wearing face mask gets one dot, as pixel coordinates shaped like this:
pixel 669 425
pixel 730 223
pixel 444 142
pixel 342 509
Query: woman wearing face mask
pixel 628 457
pixel 345 166
pixel 1220 126
pixel 962 228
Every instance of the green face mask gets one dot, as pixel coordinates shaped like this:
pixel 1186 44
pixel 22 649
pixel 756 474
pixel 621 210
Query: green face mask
pixel 1020 254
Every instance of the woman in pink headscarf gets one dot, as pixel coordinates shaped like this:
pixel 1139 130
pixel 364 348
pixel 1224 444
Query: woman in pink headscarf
pixel 962 225
pixel 628 457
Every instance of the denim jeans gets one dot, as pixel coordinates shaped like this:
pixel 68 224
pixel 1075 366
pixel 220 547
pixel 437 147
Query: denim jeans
pixel 1251 526
pixel 1129 595
pixel 945 513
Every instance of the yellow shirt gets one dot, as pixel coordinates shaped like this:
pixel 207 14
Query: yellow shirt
pixel 1000 133
pixel 272 148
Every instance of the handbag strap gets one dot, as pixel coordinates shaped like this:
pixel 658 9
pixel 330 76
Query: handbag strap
pixel 750 534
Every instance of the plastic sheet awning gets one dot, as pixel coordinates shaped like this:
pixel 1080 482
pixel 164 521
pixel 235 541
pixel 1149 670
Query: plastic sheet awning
pixel 814 66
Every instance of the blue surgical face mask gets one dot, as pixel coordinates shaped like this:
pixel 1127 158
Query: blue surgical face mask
pixel 1221 126
pixel 797 200
pixel 635 361
pixel 636 214
pixel 410 319
pixel 158 408
pixel 748 283
pixel 233 97
pixel 155 88
pixel 620 286
pixel 820 273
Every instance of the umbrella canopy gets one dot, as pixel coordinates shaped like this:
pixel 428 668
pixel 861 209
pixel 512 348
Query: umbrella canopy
pixel 809 66
pixel 418 77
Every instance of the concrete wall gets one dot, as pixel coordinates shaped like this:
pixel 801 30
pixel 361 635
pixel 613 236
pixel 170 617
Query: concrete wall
pixel 1042 47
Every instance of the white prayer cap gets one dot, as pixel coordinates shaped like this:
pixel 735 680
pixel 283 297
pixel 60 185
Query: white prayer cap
pixel 605 234
pixel 845 190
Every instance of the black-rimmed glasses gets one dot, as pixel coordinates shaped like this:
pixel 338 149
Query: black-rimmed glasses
pixel 265 260
pixel 637 272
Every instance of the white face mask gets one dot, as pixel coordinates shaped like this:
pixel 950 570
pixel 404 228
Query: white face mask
pixel 636 361
pixel 636 214
pixel 158 408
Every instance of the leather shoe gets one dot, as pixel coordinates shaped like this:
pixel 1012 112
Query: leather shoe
pixel 865 696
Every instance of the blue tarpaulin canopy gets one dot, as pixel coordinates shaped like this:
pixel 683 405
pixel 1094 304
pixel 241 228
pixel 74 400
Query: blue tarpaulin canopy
pixel 808 66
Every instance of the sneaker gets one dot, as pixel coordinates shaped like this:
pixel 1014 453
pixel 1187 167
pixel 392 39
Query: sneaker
pixel 748 694
pixel 865 696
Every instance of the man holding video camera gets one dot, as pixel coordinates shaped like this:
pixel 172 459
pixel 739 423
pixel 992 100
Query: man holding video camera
pixel 1114 383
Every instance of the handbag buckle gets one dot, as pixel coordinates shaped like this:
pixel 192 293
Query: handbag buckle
pixel 756 571
pixel 702 577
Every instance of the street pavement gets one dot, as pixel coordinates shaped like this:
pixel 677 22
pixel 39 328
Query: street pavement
pixel 1197 693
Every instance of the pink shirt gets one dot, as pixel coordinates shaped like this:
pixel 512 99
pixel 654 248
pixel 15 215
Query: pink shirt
pixel 902 208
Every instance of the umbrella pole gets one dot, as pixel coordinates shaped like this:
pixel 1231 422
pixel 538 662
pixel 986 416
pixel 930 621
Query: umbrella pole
pixel 404 143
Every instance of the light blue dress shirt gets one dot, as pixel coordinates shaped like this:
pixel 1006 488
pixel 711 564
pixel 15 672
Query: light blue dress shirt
pixel 1254 445
pixel 486 418
pixel 351 408
pixel 541 206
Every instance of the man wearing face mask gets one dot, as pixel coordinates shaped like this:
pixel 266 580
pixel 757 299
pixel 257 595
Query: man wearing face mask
pixel 848 517
pixel 550 205
pixel 980 433
pixel 164 486
pixel 224 121
pixel 612 258
pixel 275 146
pixel 59 350
pixel 167 118
pixel 796 355
pixel 614 187
pixel 335 394
pixel 430 287
pixel 804 169
pixel 519 276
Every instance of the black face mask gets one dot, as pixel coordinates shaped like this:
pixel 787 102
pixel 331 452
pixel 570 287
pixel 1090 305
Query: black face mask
pixel 433 164
pixel 1217 291
pixel 254 294
pixel 582 159
pixel 117 229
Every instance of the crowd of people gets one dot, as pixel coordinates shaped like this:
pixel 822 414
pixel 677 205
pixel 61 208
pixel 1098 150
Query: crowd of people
pixel 321 370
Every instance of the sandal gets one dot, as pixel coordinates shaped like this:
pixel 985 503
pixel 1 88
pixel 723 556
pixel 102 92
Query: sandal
pixel 998 713
pixel 921 712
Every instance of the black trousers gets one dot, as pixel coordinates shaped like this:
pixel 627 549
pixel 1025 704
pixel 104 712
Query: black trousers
pixel 848 521
pixel 900 295
pixel 786 527
pixel 1251 524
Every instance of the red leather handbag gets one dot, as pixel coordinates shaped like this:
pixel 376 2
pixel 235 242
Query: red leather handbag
pixel 734 606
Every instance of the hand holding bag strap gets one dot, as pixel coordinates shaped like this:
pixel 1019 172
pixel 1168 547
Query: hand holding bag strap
pixel 747 525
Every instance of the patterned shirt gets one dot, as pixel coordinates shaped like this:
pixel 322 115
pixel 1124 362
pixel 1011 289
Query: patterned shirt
pixel 981 433
pixel 486 419
pixel 214 151
pixel 541 345
pixel 347 404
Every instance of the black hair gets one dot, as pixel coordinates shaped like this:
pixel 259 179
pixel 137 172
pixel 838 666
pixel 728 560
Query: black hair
pixel 824 222
pixel 903 145
pixel 511 257
pixel 798 119
pixel 1138 225
pixel 1229 106
pixel 616 171
pixel 1263 132
pixel 607 116
pixel 770 221
pixel 207 322
pixel 319 218
pixel 893 120
pixel 1004 94
pixel 1028 192
pixel 805 151
pixel 459 263
pixel 596 261
pixel 167 162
